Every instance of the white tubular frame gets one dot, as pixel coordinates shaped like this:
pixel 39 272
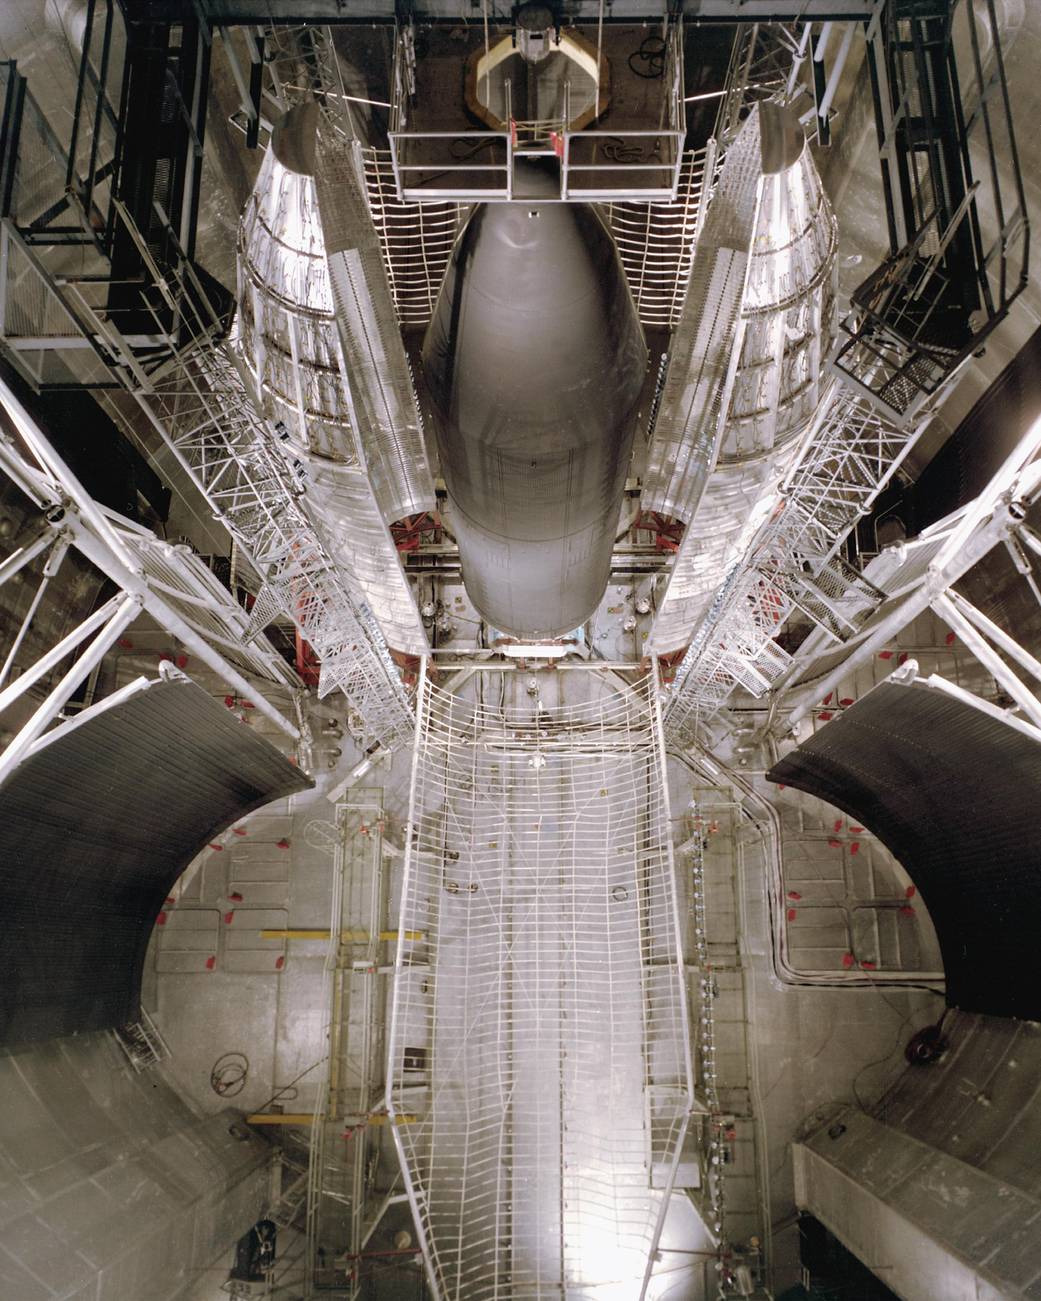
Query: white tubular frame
pixel 121 551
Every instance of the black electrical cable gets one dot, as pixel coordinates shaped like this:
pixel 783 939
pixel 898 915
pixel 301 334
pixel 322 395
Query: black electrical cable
pixel 652 53
pixel 229 1073
pixel 619 150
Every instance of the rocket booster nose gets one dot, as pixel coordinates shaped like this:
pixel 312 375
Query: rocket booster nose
pixel 535 359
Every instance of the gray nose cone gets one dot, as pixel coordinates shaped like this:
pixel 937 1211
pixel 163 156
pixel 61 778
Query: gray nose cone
pixel 535 360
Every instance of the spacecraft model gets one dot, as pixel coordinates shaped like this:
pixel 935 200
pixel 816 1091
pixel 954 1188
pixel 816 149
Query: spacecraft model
pixel 535 360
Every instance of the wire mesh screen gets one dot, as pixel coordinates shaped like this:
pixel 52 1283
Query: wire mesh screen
pixel 539 1069
pixel 656 242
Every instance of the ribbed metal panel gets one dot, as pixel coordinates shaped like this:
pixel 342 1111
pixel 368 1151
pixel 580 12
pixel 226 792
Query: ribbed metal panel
pixel 99 823
pixel 731 457
pixel 705 340
pixel 285 326
pixel 387 416
pixel 951 787
pixel 286 332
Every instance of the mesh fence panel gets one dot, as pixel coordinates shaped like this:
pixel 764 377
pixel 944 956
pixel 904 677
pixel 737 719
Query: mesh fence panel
pixel 539 1056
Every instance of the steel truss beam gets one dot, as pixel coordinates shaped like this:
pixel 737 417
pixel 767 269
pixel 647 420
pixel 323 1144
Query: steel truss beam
pixel 168 583
pixel 851 453
pixel 203 411
pixel 916 583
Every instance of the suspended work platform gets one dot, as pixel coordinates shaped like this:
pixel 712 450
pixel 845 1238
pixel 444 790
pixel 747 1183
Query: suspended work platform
pixel 545 1051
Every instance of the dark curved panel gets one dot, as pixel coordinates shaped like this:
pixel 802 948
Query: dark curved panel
pixel 954 792
pixel 974 453
pixel 98 824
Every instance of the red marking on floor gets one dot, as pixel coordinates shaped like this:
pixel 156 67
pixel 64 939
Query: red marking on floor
pixel 847 700
pixel 181 661
pixel 838 825
pixel 214 845
pixel 907 911
pixel 885 655
pixel 791 914
pixel 211 962
pixel 911 891
pixel 834 844
pixel 950 639
pixel 235 896
pixel 869 966
pixel 161 919
pixel 229 917
pixel 280 963
pixel 825 716
pixel 241 831
pixel 125 643
pixel 794 894
pixel 848 960
pixel 283 843
pixel 855 847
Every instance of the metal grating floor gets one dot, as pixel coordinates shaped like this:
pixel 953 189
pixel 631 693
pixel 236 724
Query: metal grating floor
pixel 539 1051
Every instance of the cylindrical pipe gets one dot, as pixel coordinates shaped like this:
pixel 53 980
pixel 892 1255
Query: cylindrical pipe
pixel 535 361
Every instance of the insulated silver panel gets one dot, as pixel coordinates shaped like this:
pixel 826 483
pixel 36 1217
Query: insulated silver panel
pixel 705 342
pixel 286 333
pixel 387 417
pixel 724 465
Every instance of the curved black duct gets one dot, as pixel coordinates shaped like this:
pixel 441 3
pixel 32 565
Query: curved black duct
pixel 974 453
pixel 952 787
pixel 99 822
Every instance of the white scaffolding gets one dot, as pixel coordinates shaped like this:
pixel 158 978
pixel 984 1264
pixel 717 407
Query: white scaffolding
pixel 169 583
pixel 200 406
pixel 543 1059
pixel 793 563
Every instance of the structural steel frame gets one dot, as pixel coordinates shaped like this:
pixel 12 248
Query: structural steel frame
pixel 851 452
pixel 168 583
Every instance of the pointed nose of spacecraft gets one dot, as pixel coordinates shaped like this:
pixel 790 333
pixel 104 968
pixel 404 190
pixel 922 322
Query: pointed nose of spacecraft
pixel 535 360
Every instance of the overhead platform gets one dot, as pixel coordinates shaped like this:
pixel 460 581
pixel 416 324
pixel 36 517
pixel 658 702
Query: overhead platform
pixel 99 822
pixel 950 784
